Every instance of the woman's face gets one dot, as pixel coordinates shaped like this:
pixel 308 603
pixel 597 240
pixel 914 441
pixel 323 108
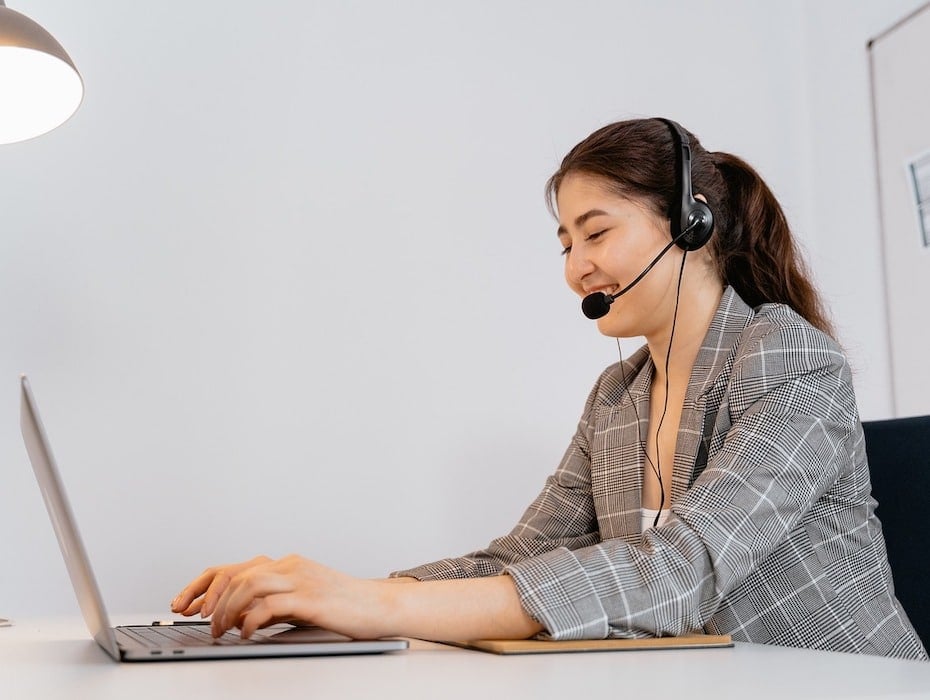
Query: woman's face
pixel 608 240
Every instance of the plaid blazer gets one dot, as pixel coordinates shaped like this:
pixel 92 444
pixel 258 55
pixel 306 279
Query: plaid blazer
pixel 772 536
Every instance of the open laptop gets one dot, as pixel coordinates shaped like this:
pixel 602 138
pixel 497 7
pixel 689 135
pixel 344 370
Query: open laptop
pixel 160 642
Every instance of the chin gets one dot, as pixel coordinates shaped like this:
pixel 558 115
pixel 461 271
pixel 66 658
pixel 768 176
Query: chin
pixel 612 328
pixel 622 322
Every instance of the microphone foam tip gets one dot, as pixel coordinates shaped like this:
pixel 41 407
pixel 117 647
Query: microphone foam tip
pixel 596 305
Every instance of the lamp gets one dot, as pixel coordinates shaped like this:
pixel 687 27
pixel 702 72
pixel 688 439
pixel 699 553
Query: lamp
pixel 39 85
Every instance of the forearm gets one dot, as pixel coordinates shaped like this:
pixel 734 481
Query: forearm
pixel 485 608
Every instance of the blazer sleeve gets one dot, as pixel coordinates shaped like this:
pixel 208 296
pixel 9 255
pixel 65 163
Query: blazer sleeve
pixel 562 516
pixel 792 410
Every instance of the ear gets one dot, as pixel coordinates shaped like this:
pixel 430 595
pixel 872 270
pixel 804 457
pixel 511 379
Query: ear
pixel 701 197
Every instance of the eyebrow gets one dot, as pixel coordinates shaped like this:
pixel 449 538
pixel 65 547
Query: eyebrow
pixel 579 221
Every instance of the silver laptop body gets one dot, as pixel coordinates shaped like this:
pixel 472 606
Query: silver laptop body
pixel 160 642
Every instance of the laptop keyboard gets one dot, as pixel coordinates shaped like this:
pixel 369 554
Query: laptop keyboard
pixel 178 635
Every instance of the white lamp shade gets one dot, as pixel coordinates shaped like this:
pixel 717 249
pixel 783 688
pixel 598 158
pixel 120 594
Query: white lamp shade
pixel 39 85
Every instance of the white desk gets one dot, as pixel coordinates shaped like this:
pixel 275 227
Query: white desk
pixel 56 658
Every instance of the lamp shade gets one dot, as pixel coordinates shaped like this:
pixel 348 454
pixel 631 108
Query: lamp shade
pixel 39 85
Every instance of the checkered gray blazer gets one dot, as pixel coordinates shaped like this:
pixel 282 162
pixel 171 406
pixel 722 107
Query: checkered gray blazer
pixel 772 536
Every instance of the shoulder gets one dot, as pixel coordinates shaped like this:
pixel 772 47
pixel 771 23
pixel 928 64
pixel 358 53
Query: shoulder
pixel 781 357
pixel 778 338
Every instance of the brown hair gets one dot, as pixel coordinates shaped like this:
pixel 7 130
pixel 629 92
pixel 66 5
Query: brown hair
pixel 752 245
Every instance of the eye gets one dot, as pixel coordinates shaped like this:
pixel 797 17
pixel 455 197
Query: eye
pixel 590 237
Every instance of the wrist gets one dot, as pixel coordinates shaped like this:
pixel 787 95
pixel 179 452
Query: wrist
pixel 390 606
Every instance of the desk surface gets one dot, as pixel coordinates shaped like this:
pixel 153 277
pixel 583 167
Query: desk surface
pixel 57 658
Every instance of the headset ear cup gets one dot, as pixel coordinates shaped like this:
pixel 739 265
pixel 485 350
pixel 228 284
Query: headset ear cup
pixel 687 213
pixel 697 212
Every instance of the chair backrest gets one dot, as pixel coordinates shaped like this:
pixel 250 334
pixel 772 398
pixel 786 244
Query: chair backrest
pixel 899 463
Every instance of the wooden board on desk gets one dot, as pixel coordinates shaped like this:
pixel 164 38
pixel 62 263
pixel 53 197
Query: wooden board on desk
pixel 538 646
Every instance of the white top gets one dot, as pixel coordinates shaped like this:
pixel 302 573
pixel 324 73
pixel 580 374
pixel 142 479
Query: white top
pixel 648 516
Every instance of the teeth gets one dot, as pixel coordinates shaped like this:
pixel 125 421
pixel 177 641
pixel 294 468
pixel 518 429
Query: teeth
pixel 605 290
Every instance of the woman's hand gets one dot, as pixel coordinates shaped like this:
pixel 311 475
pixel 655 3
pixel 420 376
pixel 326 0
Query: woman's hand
pixel 262 592
pixel 202 594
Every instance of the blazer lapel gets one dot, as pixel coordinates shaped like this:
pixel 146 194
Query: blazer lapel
pixel 617 453
pixel 701 402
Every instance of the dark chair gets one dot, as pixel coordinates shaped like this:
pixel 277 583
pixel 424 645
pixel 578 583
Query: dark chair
pixel 899 462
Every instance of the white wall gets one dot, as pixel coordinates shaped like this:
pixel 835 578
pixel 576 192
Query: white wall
pixel 287 275
pixel 844 241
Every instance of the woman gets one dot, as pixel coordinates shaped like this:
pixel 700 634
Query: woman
pixel 718 477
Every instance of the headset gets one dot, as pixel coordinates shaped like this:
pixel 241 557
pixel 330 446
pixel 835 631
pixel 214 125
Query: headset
pixel 691 220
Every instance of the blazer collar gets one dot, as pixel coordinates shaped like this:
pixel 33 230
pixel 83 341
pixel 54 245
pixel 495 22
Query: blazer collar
pixel 728 324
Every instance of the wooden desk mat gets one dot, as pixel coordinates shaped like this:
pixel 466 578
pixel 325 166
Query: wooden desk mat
pixel 538 646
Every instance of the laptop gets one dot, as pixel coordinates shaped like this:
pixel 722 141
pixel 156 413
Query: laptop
pixel 161 641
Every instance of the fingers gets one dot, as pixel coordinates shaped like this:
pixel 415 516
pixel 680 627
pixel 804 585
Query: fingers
pixel 245 593
pixel 214 591
pixel 192 609
pixel 210 585
pixel 184 601
pixel 266 612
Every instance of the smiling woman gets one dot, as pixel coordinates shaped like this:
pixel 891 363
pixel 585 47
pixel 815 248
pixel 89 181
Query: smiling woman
pixel 718 477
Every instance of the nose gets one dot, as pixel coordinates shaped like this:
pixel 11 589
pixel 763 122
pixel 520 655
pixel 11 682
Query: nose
pixel 577 266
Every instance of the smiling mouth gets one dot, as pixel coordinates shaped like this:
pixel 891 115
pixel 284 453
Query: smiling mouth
pixel 607 291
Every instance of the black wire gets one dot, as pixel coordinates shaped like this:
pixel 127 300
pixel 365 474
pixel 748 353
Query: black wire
pixel 626 387
pixel 668 356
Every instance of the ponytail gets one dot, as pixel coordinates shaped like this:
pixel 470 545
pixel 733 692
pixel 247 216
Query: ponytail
pixel 754 250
